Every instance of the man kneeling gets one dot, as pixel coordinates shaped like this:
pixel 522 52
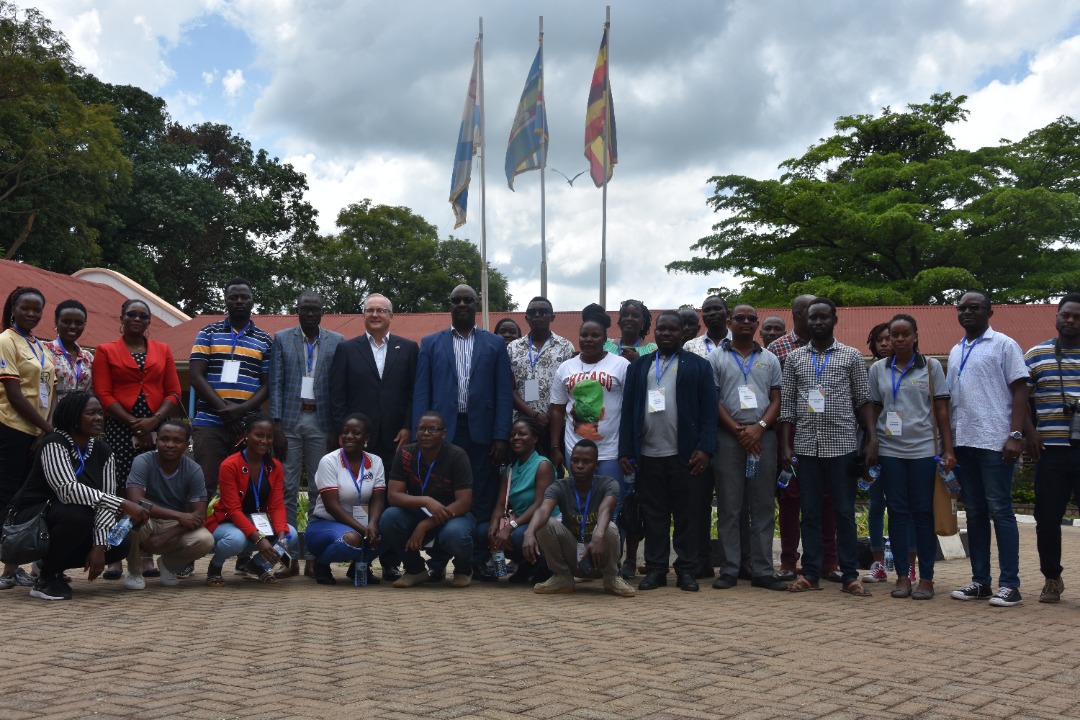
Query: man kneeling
pixel 586 542
pixel 174 484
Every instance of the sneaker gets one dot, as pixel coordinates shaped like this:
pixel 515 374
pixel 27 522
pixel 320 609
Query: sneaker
pixel 1006 597
pixel 134 582
pixel 52 588
pixel 167 577
pixel 912 578
pixel 241 568
pixel 1051 592
pixel 7 582
pixel 461 580
pixel 972 591
pixel 618 587
pixel 555 585
pixel 186 571
pixel 877 573
pixel 410 579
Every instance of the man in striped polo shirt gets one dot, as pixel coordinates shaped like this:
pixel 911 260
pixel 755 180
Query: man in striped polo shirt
pixel 1055 389
pixel 230 371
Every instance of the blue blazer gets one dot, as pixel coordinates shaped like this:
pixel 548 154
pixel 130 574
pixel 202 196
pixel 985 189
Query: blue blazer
pixel 491 385
pixel 695 398
pixel 288 363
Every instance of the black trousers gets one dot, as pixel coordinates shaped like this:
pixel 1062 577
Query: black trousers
pixel 15 459
pixel 668 491
pixel 1057 478
pixel 71 535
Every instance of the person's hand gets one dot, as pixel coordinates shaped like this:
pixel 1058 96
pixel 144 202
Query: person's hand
pixel 137 513
pixel 629 353
pixel 1012 449
pixel 595 549
pixel 372 534
pixel 153 543
pixel 1034 445
pixel 502 538
pixel 871 452
pixel 144 426
pixel 556 457
pixel 499 452
pixel 542 420
pixel 439 512
pixel 699 462
pixel 403 436
pixel 786 453
pixel 267 551
pixel 232 412
pixel 493 529
pixel 627 466
pixel 190 521
pixel 950 461
pixel 95 562
pixel 529 548
pixel 281 443
pixel 416 540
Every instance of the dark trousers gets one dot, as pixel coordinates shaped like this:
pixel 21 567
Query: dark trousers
pixel 1057 478
pixel 788 520
pixel 668 491
pixel 816 477
pixel 71 535
pixel 485 481
pixel 213 443
pixel 704 520
pixel 14 462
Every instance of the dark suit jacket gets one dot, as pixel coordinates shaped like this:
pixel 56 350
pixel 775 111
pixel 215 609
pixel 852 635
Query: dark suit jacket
pixel 491 385
pixel 355 386
pixel 695 398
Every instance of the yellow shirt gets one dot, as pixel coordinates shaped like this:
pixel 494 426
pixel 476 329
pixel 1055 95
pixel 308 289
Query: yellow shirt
pixel 30 362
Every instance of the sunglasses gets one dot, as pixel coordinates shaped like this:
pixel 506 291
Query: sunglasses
pixel 537 313
pixel 135 315
pixel 744 318
pixel 463 300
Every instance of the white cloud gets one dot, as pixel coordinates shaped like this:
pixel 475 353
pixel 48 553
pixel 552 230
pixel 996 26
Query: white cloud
pixel 208 77
pixel 233 82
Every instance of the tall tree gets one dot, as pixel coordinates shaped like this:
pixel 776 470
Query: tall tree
pixel 889 211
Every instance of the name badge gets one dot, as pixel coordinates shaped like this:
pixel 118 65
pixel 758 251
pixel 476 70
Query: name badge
pixel 262 523
pixel 230 371
pixel 816 398
pixel 307 388
pixel 580 551
pixel 656 400
pixel 894 423
pixel 359 513
pixel 531 391
pixel 44 390
pixel 747 398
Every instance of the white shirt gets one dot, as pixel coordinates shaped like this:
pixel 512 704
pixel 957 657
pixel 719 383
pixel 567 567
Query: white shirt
pixel 379 351
pixel 981 400
pixel 599 424
pixel 333 475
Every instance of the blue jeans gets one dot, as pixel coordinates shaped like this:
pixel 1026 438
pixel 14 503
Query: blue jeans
pixel 986 486
pixel 612 469
pixel 875 521
pixel 229 540
pixel 517 539
pixel 908 486
pixel 325 541
pixel 452 540
pixel 815 475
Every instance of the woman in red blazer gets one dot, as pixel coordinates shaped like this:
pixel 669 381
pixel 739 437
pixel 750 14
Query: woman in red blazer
pixel 135 379
pixel 250 514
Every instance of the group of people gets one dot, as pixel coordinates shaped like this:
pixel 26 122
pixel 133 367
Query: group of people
pixel 485 448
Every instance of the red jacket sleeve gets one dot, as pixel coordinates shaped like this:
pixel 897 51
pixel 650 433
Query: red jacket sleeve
pixel 102 379
pixel 276 501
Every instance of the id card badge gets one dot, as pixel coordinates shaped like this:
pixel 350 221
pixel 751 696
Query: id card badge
pixel 816 397
pixel 580 551
pixel 531 391
pixel 262 523
pixel 359 513
pixel 43 394
pixel 307 388
pixel 894 423
pixel 656 400
pixel 747 398
pixel 230 371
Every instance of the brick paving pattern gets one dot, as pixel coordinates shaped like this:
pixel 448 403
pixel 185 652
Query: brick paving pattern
pixel 301 650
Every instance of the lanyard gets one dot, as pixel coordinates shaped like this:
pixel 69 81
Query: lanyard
pixel 819 369
pixel 310 353
pixel 236 337
pixel 621 346
pixel 256 488
pixel 532 362
pixel 964 356
pixel 897 380
pixel 427 477
pixel 582 512
pixel 707 348
pixel 749 364
pixel 31 345
pixel 82 459
pixel 660 371
pixel 76 366
pixel 355 476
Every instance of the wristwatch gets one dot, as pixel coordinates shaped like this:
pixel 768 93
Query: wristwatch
pixel 762 424
pixel 1016 435
pixel 514 524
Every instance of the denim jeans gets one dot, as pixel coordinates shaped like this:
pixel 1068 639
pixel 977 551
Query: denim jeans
pixel 986 486
pixel 452 540
pixel 816 475
pixel 325 542
pixel 517 539
pixel 229 540
pixel 875 522
pixel 908 486
pixel 1057 478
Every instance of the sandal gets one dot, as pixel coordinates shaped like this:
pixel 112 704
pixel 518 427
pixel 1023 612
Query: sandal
pixel 802 585
pixel 215 581
pixel 855 588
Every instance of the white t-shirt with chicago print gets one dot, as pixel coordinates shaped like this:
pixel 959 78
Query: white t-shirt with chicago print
pixel 592 393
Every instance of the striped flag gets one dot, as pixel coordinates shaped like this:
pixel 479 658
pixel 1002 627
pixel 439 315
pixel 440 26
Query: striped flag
pixel 527 149
pixel 600 114
pixel 468 142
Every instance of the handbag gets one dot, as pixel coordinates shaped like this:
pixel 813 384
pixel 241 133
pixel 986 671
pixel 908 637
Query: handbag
pixel 27 541
pixel 945 523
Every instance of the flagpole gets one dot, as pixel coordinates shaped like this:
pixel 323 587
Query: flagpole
pixel 607 159
pixel 543 165
pixel 483 191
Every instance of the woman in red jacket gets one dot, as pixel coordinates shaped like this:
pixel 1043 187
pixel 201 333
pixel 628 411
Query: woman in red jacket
pixel 135 379
pixel 250 514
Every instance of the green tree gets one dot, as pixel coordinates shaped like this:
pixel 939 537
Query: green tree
pixel 889 211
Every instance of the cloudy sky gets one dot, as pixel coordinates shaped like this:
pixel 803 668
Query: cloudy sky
pixel 366 97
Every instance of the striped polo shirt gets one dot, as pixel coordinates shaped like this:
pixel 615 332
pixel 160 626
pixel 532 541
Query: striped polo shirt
pixel 217 343
pixel 1047 383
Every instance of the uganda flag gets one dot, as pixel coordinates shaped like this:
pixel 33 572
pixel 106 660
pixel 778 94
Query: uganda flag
pixel 600 116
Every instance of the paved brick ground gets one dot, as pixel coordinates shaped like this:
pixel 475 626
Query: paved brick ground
pixel 298 649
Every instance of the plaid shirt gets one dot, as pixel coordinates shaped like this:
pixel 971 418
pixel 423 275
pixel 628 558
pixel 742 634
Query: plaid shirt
pixel 786 344
pixel 830 433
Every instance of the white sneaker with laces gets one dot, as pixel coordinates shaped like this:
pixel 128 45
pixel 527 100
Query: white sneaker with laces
pixel 134 582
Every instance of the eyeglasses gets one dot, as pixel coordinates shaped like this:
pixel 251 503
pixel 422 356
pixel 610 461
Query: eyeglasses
pixel 376 311
pixel 467 300
pixel 968 308
pixel 428 430
pixel 744 318
pixel 537 313
pixel 135 315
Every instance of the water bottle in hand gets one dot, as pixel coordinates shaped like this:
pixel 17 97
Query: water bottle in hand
pixel 119 531
pixel 786 476
pixel 949 478
pixel 872 474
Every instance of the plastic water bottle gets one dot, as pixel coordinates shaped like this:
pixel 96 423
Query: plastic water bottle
pixel 630 481
pixel 360 568
pixel 119 531
pixel 499 558
pixel 889 565
pixel 949 478
pixel 282 550
pixel 874 472
pixel 786 476
pixel 753 466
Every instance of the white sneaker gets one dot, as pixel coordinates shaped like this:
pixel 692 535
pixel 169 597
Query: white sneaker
pixel 134 582
pixel 168 577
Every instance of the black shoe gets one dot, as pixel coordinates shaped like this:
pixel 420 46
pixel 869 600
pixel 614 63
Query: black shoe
pixel 324 575
pixel 687 582
pixel 725 582
pixel 653 579
pixel 51 588
pixel 543 572
pixel 524 573
pixel 768 582
pixel 705 572
pixel 481 573
pixel 744 574
pixel 242 565
pixel 186 571
pixel 437 574
pixel 390 574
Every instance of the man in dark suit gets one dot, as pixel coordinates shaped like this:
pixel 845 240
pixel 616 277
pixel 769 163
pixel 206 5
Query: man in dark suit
pixel 464 373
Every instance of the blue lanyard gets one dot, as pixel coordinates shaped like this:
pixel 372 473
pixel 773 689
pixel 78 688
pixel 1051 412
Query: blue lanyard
pixel 581 512
pixel 236 337
pixel 354 476
pixel 895 380
pixel 532 362
pixel 423 487
pixel 819 369
pixel 707 348
pixel 258 488
pixel 76 366
pixel 310 353
pixel 964 356
pixel 82 459
pixel 749 364
pixel 660 371
pixel 31 346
